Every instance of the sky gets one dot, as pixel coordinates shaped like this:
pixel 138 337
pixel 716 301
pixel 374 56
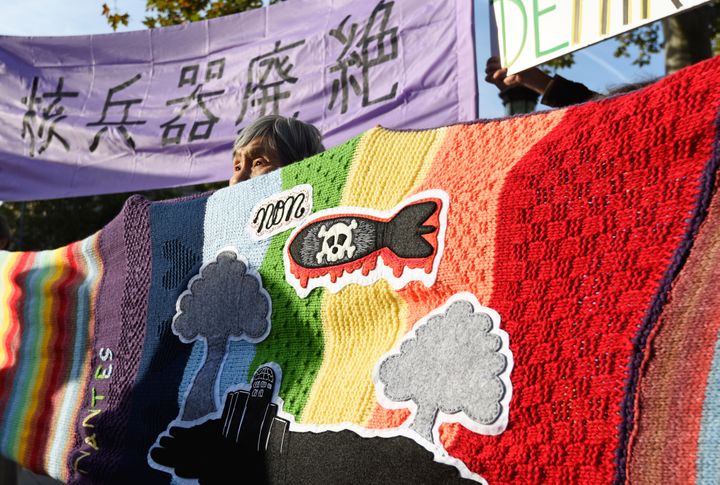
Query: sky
pixel 595 66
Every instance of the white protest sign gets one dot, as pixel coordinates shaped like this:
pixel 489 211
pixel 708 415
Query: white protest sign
pixel 530 32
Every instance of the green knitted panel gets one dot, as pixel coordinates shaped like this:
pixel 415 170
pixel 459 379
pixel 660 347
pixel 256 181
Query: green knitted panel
pixel 296 339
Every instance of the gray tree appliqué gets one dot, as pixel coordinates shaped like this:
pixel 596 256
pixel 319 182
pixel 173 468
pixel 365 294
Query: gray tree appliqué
pixel 453 365
pixel 226 301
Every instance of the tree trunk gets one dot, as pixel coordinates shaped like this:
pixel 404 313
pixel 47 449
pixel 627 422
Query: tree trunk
pixel 201 398
pixel 424 421
pixel 687 38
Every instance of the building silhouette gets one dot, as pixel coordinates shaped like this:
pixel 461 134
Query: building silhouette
pixel 259 446
pixel 248 416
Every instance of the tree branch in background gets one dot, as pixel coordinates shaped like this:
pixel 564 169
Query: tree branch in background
pixel 162 13
pixel 646 41
pixel 114 19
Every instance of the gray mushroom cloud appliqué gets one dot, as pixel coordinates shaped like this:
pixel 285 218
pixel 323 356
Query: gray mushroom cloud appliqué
pixel 453 364
pixel 225 301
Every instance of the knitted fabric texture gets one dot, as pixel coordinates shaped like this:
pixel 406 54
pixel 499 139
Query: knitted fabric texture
pixel 565 262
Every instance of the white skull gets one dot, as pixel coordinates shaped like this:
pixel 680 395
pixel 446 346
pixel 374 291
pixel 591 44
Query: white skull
pixel 337 242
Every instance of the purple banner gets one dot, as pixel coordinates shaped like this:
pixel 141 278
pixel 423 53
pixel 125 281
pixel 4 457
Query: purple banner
pixel 159 108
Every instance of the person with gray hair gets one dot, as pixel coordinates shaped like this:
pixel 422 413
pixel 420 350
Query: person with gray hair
pixel 272 142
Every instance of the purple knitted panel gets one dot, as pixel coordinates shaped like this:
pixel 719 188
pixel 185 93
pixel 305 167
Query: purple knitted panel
pixel 119 335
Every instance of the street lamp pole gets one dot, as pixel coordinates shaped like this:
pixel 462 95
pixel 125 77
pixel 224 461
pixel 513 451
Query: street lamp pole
pixel 519 100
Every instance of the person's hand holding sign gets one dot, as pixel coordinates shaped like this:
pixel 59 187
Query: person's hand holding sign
pixel 556 91
pixel 532 78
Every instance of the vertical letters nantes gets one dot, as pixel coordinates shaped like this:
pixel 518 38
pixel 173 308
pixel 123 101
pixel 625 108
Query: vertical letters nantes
pixel 98 388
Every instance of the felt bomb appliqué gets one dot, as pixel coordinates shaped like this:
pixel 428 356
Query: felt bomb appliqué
pixel 346 245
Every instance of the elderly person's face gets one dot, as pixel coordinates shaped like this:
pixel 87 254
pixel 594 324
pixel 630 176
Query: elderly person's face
pixel 255 158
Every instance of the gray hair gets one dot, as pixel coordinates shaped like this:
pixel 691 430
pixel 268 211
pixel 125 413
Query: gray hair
pixel 626 88
pixel 291 138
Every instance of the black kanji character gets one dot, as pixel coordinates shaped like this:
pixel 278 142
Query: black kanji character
pixel 356 54
pixel 126 104
pixel 51 115
pixel 266 76
pixel 201 130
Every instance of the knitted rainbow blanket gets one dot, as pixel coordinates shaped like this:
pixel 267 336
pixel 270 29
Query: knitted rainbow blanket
pixel 530 300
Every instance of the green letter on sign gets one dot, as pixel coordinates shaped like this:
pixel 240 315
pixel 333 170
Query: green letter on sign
pixel 519 4
pixel 536 14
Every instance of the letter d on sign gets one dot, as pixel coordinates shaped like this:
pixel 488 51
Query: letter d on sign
pixel 514 29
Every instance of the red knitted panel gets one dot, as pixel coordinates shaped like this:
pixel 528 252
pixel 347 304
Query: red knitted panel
pixel 591 225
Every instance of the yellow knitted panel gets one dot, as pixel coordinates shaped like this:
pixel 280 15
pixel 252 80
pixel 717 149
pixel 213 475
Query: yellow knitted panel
pixel 361 323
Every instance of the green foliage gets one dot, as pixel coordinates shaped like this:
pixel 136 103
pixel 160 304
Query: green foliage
pixel 172 12
pixel 48 224
pixel 162 13
pixel 114 19
pixel 646 41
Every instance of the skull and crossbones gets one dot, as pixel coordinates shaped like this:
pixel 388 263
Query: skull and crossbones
pixel 337 242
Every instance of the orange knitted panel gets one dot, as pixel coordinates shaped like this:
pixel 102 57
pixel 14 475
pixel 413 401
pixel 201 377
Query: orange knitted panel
pixel 471 167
